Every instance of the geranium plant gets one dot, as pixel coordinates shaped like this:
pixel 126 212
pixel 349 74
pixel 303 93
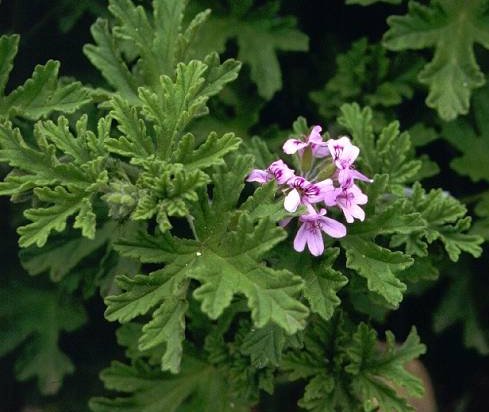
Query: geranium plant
pixel 232 265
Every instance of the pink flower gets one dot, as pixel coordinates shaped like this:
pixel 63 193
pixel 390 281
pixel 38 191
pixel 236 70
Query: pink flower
pixel 348 199
pixel 344 153
pixel 315 140
pixel 278 170
pixel 305 192
pixel 346 177
pixel 310 231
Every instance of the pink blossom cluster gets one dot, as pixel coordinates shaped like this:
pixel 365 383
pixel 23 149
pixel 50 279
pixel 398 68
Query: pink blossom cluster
pixel 326 179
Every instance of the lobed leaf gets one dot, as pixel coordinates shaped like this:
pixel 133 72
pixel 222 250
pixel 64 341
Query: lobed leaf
pixel 451 28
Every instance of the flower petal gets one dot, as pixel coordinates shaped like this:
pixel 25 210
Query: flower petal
pixel 360 176
pixel 300 238
pixel 350 153
pixel 257 175
pixel 359 198
pixel 315 241
pixel 315 135
pixel 357 212
pixel 292 145
pixel 292 201
pixel 347 212
pixel 320 150
pixel 332 227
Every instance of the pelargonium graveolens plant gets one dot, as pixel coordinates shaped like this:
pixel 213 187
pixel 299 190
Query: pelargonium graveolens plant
pixel 232 265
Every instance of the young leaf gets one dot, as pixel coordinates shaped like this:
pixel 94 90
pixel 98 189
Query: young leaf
pixel 174 103
pixel 210 153
pixel 106 57
pixel 135 141
pixel 44 93
pixel 452 28
pixel 53 218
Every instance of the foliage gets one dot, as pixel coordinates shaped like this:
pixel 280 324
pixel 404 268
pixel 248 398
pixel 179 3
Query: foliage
pixel 346 369
pixel 40 95
pixel 452 28
pixel 35 322
pixel 259 35
pixel 365 74
pixel 131 196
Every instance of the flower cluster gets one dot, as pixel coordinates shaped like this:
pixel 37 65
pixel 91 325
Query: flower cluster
pixel 326 179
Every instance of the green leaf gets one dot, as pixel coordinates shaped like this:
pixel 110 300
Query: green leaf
pixel 270 293
pixel 264 345
pixel 395 218
pixel 106 57
pixel 378 266
pixel 390 152
pixel 458 305
pixel 172 104
pixel 44 93
pixel 322 283
pixel 323 394
pixel 53 218
pixel 166 288
pixel 134 26
pixel 134 141
pixel 263 204
pixel 39 166
pixel 152 45
pixel 371 368
pixel 161 248
pixel 63 253
pixel 260 34
pixel 445 221
pixel 143 292
pixel 472 142
pixel 167 326
pixel 36 321
pixel 358 122
pixel 451 28
pixel 150 390
pixel 166 189
pixel 348 369
pixel 365 74
pixel 210 153
pixel 8 51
